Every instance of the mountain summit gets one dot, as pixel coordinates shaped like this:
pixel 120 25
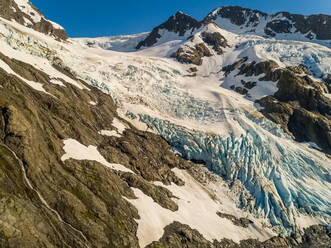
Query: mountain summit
pixel 179 24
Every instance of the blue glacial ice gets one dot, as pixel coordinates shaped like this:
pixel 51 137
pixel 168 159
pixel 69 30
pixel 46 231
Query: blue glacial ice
pixel 316 57
pixel 278 177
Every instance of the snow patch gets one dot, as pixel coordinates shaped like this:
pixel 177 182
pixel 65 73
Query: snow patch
pixel 57 82
pixel 118 125
pixel 55 25
pixel 110 133
pixel 75 150
pixel 34 85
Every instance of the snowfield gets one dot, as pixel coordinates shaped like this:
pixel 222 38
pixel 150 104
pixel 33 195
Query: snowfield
pixel 203 120
pixel 120 43
pixel 196 209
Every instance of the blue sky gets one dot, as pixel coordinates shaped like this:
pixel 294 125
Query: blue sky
pixel 95 18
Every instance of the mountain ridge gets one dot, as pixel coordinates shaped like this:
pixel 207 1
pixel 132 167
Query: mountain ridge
pixel 23 12
pixel 310 27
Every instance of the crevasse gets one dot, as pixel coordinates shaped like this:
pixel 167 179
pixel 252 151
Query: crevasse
pixel 276 175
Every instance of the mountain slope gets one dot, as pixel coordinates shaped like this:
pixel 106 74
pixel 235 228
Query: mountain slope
pixel 103 148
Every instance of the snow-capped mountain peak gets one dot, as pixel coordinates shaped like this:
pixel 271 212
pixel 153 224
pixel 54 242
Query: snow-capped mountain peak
pixel 282 25
pixel 24 13
pixel 178 25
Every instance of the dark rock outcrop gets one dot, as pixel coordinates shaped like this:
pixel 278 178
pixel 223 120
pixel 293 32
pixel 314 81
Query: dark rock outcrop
pixel 256 69
pixel 248 85
pixel 179 235
pixel 229 68
pixel 299 69
pixel 216 40
pixel 192 55
pixel 179 23
pixel 301 109
pixel 239 90
pixel 327 80
pixel 243 222
pixel 319 25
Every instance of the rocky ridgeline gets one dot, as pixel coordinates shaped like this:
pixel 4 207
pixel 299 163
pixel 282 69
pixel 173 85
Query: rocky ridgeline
pixel 248 21
pixel 180 24
pixel 312 27
pixel 179 235
pixel 200 40
pixel 23 12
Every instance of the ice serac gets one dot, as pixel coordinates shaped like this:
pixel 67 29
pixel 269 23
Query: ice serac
pixel 120 43
pixel 24 13
pixel 282 24
pixel 283 180
pixel 178 25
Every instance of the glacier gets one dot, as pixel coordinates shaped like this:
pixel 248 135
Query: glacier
pixel 203 121
pixel 283 180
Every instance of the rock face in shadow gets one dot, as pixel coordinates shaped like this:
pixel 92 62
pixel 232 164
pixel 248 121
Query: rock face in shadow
pixel 216 40
pixel 313 26
pixel 229 68
pixel 10 10
pixel 299 105
pixel 192 55
pixel 237 15
pixel 256 69
pixel 177 235
pixel 202 44
pixel 179 24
